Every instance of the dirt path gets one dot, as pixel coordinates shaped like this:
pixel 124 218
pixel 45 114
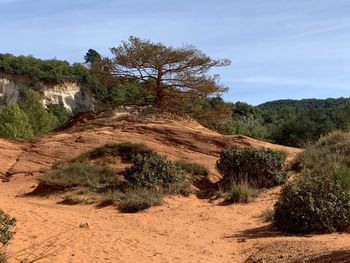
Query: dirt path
pixel 181 230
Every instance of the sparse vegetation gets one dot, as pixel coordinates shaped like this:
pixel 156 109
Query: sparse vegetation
pixel 6 224
pixel 268 214
pixel 125 150
pixel 92 177
pixel 319 199
pixel 238 193
pixel 78 174
pixel 260 168
pixel 193 169
pixel 138 200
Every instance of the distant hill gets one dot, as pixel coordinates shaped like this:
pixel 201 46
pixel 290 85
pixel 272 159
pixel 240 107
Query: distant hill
pixel 304 104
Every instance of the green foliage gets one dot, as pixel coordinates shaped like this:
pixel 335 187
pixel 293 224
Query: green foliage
pixel 286 122
pixel 29 117
pixel 52 70
pixel 258 167
pixel 92 57
pixel 331 150
pixel 125 150
pixel 14 123
pixel 193 169
pixel 296 123
pixel 169 73
pixel 60 112
pixel 6 224
pixel 238 193
pixel 143 185
pixel 40 119
pixel 152 171
pixel 319 200
pixel 138 200
pixel 78 174
pixel 313 203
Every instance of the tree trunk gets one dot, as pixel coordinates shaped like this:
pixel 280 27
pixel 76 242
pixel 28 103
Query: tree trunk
pixel 159 91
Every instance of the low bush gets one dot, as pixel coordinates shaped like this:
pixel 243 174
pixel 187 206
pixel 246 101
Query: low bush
pixel 125 150
pixel 329 150
pixel 260 168
pixel 136 188
pixel 319 200
pixel 239 193
pixel 313 204
pixel 84 175
pixel 153 171
pixel 138 200
pixel 6 224
pixel 193 169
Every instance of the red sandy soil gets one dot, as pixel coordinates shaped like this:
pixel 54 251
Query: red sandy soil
pixel 181 230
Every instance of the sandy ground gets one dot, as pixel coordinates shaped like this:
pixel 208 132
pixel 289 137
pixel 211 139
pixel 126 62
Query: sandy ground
pixel 181 230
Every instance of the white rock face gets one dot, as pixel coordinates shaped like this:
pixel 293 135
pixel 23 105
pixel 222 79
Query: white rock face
pixel 8 91
pixel 70 94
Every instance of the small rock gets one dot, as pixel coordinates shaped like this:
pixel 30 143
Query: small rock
pixel 84 225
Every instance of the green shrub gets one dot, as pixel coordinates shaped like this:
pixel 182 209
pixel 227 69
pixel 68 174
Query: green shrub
pixel 138 200
pixel 337 142
pixel 60 112
pixel 126 150
pixel 258 167
pixel 84 175
pixel 14 123
pixel 330 150
pixel 239 193
pixel 6 223
pixel 153 171
pixel 313 204
pixel 143 185
pixel 193 169
pixel 40 119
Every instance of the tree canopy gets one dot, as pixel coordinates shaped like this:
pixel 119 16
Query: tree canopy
pixel 166 71
pixel 92 56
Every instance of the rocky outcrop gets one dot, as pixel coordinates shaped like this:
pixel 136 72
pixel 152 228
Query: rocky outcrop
pixel 8 91
pixel 73 95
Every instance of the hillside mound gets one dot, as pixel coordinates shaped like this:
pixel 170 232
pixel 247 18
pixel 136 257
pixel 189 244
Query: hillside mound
pixel 182 229
pixel 167 132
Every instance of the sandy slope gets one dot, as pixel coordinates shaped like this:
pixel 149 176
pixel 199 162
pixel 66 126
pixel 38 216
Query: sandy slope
pixel 181 230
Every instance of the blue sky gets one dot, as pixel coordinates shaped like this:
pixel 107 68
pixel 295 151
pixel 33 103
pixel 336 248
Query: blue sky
pixel 279 48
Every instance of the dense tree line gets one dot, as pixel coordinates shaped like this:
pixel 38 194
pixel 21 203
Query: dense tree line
pixel 286 122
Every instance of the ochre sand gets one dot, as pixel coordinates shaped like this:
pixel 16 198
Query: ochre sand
pixel 181 230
